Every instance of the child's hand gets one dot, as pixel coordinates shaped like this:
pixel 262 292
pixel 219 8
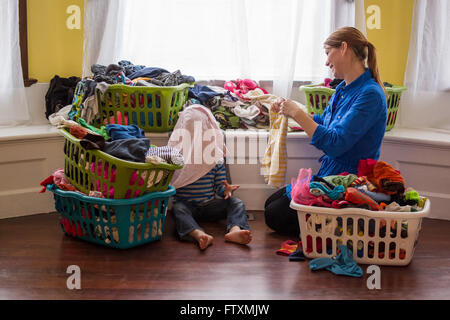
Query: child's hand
pixel 229 188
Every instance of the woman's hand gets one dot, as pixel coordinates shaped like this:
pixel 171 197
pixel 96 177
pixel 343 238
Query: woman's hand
pixel 229 188
pixel 276 106
pixel 289 108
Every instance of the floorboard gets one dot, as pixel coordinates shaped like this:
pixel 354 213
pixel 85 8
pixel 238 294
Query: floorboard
pixel 34 256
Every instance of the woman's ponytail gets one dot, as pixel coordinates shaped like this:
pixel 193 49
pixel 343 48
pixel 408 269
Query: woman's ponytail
pixel 372 63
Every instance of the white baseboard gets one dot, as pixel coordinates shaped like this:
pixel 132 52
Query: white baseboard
pixel 30 156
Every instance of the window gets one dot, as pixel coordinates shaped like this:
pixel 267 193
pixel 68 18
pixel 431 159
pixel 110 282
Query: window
pixel 24 42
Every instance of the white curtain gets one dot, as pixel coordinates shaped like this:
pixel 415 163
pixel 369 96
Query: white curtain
pixel 13 102
pixel 427 77
pixel 217 39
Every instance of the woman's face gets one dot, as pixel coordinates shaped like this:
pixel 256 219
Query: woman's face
pixel 334 61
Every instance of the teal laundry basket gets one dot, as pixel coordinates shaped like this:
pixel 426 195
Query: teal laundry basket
pixel 116 223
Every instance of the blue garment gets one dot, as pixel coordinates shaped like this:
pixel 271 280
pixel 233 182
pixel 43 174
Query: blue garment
pixel 205 188
pixel 128 149
pixel 149 72
pixel 119 131
pixel 342 264
pixel 352 126
pixel 202 93
pixel 186 215
pixel 334 194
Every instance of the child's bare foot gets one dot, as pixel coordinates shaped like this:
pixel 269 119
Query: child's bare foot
pixel 237 235
pixel 204 240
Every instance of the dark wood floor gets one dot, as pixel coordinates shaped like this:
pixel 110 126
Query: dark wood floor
pixel 34 256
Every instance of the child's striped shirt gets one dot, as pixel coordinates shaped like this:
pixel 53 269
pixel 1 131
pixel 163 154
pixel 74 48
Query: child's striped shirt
pixel 204 188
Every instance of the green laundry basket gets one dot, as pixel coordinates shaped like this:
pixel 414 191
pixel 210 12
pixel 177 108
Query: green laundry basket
pixel 116 223
pixel 153 109
pixel 318 96
pixel 95 170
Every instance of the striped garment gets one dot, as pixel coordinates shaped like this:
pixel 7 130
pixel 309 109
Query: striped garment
pixel 274 161
pixel 168 154
pixel 204 188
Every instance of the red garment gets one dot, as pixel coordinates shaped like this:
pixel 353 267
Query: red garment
pixel 387 179
pixel 287 247
pixel 78 132
pixel 357 197
pixel 45 182
pixel 365 167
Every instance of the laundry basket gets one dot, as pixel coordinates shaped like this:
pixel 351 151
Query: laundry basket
pixel 95 170
pixel 115 223
pixel 375 237
pixel 318 96
pixel 153 109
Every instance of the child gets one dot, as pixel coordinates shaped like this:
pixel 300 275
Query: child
pixel 197 201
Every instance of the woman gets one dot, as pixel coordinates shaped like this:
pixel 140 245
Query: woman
pixel 352 126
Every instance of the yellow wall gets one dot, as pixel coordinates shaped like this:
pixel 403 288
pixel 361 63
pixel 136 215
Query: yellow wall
pixel 392 40
pixel 52 47
pixel 55 49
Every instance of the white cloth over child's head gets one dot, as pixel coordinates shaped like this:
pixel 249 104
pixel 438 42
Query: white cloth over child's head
pixel 200 140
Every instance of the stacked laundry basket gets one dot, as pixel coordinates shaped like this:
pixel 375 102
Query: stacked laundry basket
pixel 135 196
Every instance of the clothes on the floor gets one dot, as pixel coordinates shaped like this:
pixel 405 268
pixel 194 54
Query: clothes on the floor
pixel 287 247
pixel 342 264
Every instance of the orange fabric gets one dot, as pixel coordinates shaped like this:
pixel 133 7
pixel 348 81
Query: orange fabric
pixel 287 247
pixel 383 173
pixel 357 197
pixel 78 132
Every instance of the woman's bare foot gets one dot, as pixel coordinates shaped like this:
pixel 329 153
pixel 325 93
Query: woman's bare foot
pixel 204 240
pixel 237 235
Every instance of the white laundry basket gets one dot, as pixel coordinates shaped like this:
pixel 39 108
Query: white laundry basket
pixel 323 229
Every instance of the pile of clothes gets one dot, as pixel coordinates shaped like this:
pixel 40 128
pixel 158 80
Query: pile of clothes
pixel 84 103
pixel 239 104
pixel 377 186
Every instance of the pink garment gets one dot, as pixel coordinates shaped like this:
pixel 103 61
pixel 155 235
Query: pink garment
pixel 59 177
pixel 241 86
pixel 119 119
pixel 200 140
pixel 300 190
pixel 326 82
